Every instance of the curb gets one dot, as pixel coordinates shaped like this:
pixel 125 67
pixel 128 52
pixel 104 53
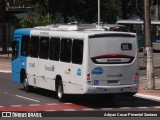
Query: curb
pixel 151 97
pixel 5 57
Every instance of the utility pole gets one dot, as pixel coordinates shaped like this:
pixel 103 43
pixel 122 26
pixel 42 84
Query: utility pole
pixel 157 8
pixel 150 85
pixel 99 13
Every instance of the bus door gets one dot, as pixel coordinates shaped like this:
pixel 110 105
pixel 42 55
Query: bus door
pixel 32 61
pixel 16 64
pixel 65 58
pixel 45 67
pixel 77 65
pixel 113 60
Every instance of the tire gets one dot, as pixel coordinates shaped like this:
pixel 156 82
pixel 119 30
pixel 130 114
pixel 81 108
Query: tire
pixel 26 86
pixel 60 92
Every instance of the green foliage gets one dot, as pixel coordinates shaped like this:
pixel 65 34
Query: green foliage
pixel 32 22
pixel 48 11
pixel 37 16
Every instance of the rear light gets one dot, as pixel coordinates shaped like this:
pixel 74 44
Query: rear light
pixel 88 77
pixel 136 77
pixel 89 82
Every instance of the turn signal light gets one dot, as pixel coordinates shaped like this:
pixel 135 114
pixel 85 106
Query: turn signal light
pixel 88 77
pixel 136 76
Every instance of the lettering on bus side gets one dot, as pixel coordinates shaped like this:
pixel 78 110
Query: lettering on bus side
pixel 44 33
pixel 50 68
pixel 33 65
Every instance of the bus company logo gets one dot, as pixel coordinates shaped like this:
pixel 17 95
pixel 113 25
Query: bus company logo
pixel 97 70
pixel 79 72
pixel 50 68
pixel 23 63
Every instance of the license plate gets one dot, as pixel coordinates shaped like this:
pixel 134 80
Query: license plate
pixel 112 81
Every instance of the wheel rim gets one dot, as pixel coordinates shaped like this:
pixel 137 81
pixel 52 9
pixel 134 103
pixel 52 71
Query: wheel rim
pixel 60 91
pixel 25 83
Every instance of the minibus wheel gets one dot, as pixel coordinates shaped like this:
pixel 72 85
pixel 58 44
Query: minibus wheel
pixel 60 92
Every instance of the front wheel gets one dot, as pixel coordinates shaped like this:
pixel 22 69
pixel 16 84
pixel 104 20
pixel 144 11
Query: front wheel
pixel 26 86
pixel 60 92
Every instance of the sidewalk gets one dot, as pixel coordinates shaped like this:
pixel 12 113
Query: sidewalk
pixel 149 94
pixel 5 56
pixel 5 63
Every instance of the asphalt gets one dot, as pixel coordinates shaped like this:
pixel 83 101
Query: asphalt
pixel 5 66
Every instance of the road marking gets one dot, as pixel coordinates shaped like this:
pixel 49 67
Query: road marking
pixel 36 107
pixel 125 108
pixel 16 105
pixel 142 107
pixel 69 110
pixel 52 104
pixel 27 98
pixel 88 109
pixel 34 104
pixel 107 108
pixel 157 107
pixel 67 103
pixel 49 110
pixel 5 71
pixel 151 97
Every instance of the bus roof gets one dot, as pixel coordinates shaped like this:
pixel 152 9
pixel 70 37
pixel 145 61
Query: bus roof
pixel 136 22
pixel 69 31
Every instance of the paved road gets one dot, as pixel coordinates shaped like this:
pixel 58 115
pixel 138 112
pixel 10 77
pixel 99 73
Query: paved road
pixel 13 97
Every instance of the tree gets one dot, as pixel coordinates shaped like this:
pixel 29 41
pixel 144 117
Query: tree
pixel 85 11
pixel 37 16
pixel 132 7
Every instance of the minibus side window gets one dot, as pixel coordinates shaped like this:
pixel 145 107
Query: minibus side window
pixel 54 49
pixel 44 48
pixel 25 46
pixel 77 51
pixel 15 49
pixel 34 46
pixel 66 45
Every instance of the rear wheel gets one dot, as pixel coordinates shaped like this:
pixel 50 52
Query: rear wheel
pixel 60 92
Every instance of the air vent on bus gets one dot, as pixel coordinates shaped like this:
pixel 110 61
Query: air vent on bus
pixel 112 59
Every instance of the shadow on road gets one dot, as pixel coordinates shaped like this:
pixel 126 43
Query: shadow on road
pixel 95 102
